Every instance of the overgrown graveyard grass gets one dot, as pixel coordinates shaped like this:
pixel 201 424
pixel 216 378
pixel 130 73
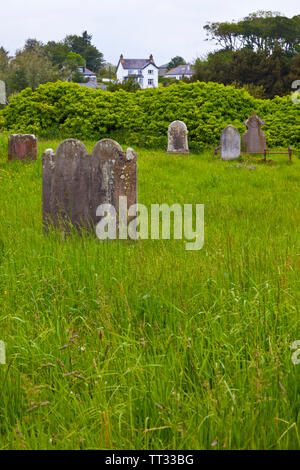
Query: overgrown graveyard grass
pixel 144 345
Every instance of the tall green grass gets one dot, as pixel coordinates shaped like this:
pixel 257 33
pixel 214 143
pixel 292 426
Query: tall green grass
pixel 144 345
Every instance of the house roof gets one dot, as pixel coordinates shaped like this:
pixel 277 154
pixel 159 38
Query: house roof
pixel 86 71
pixel 140 64
pixel 181 70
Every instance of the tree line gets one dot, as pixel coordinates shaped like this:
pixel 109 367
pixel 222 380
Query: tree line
pixel 260 52
pixel 40 63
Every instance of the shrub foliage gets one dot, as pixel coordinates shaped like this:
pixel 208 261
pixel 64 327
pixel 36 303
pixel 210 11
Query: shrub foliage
pixel 64 109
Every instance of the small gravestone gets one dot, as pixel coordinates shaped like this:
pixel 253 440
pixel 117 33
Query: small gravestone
pixel 76 183
pixel 230 143
pixel 254 140
pixel 2 92
pixel 22 147
pixel 177 138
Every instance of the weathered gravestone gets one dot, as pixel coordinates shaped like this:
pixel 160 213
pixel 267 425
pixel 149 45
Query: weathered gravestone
pixel 254 140
pixel 76 183
pixel 22 147
pixel 2 92
pixel 230 143
pixel 177 138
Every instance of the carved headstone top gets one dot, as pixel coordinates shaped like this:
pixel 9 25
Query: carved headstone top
pixel 230 143
pixel 22 147
pixel 254 140
pixel 177 138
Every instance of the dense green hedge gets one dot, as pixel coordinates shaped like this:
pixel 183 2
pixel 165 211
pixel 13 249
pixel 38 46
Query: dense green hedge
pixel 67 110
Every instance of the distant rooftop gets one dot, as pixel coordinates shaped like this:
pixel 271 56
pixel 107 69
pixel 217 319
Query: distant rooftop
pixel 186 70
pixel 86 71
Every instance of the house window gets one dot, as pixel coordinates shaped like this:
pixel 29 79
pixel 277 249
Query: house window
pixel 150 71
pixel 150 81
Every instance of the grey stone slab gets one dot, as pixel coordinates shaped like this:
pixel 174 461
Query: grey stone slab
pixel 177 138
pixel 254 140
pixel 230 143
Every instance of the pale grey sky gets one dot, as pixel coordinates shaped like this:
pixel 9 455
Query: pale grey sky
pixel 135 28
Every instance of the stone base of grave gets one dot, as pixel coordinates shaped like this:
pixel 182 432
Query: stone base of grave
pixel 178 152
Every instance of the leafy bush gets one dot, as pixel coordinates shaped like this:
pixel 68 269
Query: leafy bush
pixel 67 110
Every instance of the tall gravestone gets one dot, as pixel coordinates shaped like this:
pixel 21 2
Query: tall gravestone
pixel 76 183
pixel 177 138
pixel 254 140
pixel 22 147
pixel 230 143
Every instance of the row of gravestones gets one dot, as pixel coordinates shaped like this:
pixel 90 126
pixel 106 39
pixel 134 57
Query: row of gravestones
pixel 75 183
pixel 254 140
pixel 24 146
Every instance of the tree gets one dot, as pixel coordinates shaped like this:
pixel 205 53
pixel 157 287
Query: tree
pixel 57 52
pixel 30 68
pixel 74 60
pixel 82 45
pixel 32 45
pixel 77 76
pixel 258 31
pixel 175 61
pixel 107 71
pixel 259 51
pixel 3 62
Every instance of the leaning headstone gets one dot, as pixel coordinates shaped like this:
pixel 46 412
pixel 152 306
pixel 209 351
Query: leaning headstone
pixel 254 140
pixel 230 143
pixel 76 183
pixel 22 147
pixel 177 138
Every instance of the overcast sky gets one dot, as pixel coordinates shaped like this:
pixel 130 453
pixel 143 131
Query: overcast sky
pixel 135 28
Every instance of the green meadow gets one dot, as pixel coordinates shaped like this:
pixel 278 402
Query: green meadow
pixel 145 345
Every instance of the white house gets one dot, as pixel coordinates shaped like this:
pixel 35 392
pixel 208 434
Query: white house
pixel 88 75
pixel 180 72
pixel 142 71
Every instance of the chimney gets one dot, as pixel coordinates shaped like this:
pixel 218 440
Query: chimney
pixel 151 58
pixel 121 58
